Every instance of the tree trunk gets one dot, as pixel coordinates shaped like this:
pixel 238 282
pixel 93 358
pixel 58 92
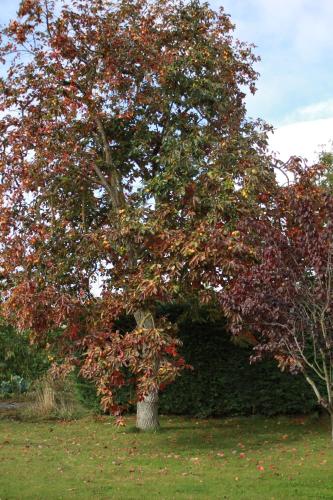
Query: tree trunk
pixel 147 413
pixel 147 409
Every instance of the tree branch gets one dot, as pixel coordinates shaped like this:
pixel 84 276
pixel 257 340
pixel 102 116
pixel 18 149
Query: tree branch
pixel 113 184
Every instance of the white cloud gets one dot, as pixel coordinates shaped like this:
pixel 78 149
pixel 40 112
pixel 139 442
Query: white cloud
pixel 315 111
pixel 303 138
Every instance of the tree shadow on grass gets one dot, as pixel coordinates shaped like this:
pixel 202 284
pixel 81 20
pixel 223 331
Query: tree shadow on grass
pixel 236 433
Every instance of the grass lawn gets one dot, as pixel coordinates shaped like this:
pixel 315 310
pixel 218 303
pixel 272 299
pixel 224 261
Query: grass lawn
pixel 236 458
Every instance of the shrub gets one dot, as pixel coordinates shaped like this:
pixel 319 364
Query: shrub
pixel 224 383
pixel 18 357
pixel 53 398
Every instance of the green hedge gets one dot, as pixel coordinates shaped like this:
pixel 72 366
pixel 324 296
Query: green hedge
pixel 224 383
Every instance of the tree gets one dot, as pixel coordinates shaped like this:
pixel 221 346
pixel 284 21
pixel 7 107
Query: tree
pixel 326 158
pixel 282 290
pixel 124 144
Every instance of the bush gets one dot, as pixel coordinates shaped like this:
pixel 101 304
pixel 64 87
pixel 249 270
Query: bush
pixel 224 383
pixel 53 398
pixel 18 357
pixel 86 394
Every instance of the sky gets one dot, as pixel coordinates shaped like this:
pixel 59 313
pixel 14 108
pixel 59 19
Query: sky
pixel 294 39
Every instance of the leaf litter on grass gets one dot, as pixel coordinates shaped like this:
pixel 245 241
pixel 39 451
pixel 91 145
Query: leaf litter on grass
pixel 92 458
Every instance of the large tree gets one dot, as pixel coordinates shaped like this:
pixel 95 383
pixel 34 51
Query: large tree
pixel 124 149
pixel 282 286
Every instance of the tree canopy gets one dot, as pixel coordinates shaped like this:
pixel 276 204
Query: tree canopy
pixel 126 156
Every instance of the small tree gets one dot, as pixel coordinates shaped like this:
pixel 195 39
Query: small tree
pixel 282 289
pixel 325 157
pixel 124 141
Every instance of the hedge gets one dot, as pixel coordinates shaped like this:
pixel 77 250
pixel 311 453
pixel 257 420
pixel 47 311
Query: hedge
pixel 223 382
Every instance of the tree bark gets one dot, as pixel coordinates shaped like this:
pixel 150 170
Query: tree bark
pixel 147 413
pixel 147 409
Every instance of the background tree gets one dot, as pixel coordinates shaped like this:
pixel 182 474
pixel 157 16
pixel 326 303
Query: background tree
pixel 325 157
pixel 125 148
pixel 282 291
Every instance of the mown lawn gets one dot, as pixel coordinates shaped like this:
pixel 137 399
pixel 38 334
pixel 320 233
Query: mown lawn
pixel 250 458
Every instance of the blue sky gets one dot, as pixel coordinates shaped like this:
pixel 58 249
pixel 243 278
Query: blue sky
pixel 294 39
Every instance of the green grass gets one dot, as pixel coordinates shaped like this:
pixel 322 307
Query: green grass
pixel 238 458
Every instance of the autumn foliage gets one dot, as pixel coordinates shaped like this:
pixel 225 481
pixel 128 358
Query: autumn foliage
pixel 281 289
pixel 126 158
